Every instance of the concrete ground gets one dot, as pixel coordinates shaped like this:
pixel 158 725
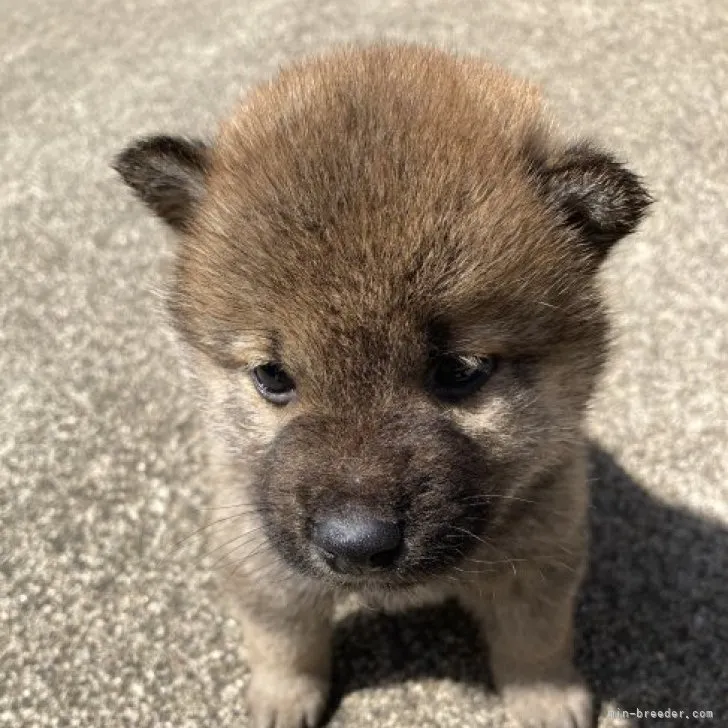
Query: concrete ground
pixel 103 622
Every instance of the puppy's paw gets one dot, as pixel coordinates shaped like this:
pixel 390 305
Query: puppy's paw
pixel 550 706
pixel 277 699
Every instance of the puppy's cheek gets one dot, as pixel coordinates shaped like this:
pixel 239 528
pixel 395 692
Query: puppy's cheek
pixel 500 425
pixel 232 408
pixel 519 424
pixel 259 421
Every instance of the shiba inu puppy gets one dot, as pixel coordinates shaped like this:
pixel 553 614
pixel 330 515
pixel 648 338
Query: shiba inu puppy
pixel 385 286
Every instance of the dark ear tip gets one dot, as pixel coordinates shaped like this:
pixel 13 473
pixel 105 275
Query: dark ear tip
pixel 644 199
pixel 598 195
pixel 167 173
pixel 134 157
pixel 138 154
pixel 124 162
pixel 634 199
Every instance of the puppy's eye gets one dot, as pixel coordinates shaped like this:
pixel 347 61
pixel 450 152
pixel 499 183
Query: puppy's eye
pixel 273 383
pixel 453 378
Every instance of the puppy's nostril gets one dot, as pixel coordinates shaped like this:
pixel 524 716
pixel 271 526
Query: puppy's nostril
pixel 385 558
pixel 357 541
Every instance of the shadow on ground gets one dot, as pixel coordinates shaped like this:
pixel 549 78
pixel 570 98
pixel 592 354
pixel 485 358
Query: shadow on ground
pixel 653 611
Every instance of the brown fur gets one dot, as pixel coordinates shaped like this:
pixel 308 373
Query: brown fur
pixel 363 213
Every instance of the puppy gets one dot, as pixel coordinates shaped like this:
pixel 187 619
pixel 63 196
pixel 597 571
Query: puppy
pixel 385 285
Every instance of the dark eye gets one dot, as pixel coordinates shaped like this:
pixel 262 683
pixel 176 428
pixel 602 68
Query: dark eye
pixel 453 378
pixel 273 383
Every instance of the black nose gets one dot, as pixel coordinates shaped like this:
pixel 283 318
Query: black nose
pixel 357 541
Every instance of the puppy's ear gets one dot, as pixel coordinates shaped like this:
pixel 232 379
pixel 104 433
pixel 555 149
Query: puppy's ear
pixel 596 195
pixel 168 175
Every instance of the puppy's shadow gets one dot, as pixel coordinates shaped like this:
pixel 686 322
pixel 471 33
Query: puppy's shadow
pixel 652 622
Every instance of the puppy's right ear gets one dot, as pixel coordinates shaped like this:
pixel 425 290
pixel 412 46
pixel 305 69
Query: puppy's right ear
pixel 168 175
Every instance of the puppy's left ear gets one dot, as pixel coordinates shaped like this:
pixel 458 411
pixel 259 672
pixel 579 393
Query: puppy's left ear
pixel 596 195
pixel 168 175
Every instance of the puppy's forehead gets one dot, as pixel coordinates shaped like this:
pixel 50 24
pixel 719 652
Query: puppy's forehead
pixel 375 188
pixel 386 138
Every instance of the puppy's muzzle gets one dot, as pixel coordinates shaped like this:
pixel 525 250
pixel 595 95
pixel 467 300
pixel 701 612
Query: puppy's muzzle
pixel 357 542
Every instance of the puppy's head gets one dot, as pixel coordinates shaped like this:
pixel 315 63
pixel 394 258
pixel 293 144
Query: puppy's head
pixel 386 277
